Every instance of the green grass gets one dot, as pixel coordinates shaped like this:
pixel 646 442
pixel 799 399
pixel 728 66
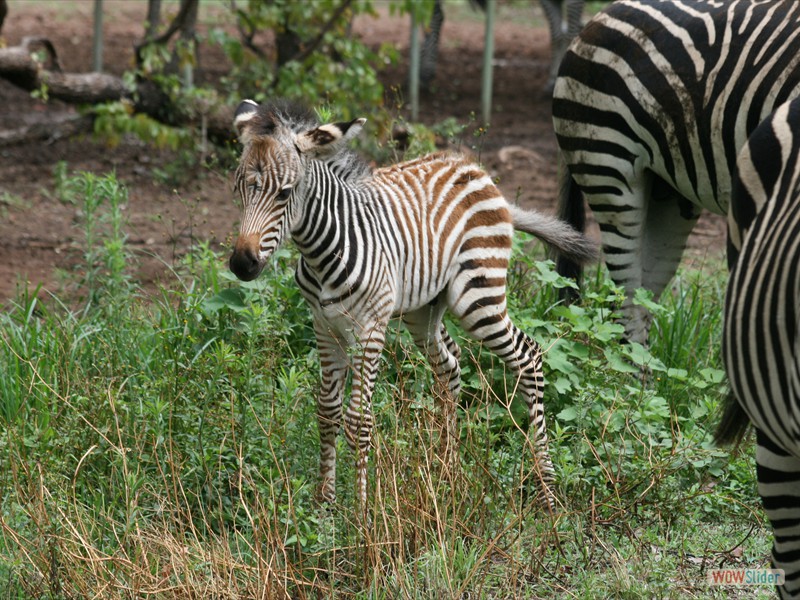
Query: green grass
pixel 165 446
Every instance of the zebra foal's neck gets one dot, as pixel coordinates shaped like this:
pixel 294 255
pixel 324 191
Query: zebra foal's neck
pixel 329 204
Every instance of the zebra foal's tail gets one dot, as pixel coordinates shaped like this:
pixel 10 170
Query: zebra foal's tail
pixel 571 209
pixel 559 235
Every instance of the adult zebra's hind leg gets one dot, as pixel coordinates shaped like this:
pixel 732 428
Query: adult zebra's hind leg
pixel 643 229
pixel 669 221
pixel 561 32
pixel 429 54
pixel 779 488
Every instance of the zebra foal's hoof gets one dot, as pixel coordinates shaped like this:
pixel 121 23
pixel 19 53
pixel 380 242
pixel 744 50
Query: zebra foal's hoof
pixel 539 494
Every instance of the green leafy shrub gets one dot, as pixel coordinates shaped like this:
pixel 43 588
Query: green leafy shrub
pixel 315 59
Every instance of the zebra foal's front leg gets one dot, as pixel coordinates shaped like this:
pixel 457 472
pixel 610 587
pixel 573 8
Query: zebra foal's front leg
pixel 358 416
pixel 333 367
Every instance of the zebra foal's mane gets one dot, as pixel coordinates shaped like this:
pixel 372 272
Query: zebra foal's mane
pixel 293 115
pixel 271 116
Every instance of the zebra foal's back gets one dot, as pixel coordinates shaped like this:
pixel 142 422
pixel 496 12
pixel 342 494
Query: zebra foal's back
pixel 453 222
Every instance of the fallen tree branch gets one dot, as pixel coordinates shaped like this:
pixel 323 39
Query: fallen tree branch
pixel 61 126
pixel 78 88
pixel 20 67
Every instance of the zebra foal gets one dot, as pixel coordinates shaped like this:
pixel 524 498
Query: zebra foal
pixel 653 102
pixel 761 341
pixel 409 240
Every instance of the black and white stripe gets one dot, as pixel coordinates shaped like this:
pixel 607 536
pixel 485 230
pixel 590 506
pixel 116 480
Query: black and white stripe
pixel 409 240
pixel 653 101
pixel 761 341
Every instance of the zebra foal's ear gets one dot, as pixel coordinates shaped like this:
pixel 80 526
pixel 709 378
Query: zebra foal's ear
pixel 328 139
pixel 242 118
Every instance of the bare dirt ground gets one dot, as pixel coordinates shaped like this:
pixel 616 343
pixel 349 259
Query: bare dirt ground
pixel 41 236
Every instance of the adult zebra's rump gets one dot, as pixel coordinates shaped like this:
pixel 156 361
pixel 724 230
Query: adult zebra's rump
pixel 410 240
pixel 653 101
pixel 761 345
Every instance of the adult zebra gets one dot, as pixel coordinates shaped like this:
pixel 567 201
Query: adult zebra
pixel 564 21
pixel 653 101
pixel 408 240
pixel 761 340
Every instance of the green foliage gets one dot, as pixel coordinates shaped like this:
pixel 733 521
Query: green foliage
pixel 317 61
pixel 115 119
pixel 632 425
pixel 421 10
pixel 341 70
pixel 169 442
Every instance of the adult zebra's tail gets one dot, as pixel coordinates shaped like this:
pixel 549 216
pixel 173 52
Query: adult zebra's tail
pixel 571 209
pixel 733 423
pixel 562 237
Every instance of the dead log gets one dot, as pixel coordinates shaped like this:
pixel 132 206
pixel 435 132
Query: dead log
pixel 57 127
pixel 83 88
pixel 23 68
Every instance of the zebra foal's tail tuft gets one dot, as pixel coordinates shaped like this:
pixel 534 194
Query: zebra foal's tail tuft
pixel 561 236
pixel 572 210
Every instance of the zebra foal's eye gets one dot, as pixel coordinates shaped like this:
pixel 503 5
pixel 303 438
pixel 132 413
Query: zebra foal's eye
pixel 284 194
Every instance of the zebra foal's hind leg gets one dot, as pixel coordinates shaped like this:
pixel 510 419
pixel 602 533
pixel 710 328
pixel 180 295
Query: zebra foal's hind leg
pixel 432 338
pixel 483 315
pixel 779 488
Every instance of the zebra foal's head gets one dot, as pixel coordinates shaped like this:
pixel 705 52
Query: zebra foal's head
pixel 279 139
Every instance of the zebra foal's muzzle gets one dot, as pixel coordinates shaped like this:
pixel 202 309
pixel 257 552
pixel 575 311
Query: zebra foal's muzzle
pixel 245 261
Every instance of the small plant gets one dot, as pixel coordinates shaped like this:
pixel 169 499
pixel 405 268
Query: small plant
pixel 104 199
pixel 115 119
pixel 8 200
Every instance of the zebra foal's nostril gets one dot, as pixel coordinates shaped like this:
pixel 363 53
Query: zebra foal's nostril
pixel 244 264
